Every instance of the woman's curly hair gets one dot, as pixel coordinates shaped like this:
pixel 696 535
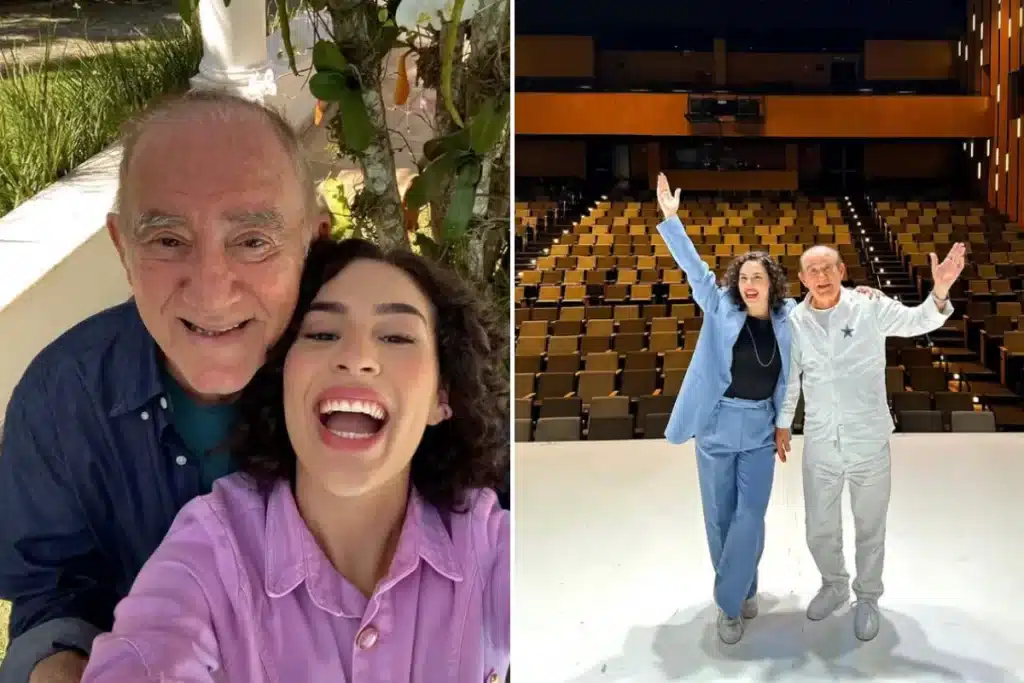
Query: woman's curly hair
pixel 777 282
pixel 469 450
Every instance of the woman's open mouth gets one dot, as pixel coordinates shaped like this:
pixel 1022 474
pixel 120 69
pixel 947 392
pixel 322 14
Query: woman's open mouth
pixel 351 424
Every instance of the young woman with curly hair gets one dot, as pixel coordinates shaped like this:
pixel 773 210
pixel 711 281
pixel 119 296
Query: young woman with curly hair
pixel 361 538
pixel 734 387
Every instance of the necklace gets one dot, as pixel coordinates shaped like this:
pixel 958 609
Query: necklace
pixel 753 342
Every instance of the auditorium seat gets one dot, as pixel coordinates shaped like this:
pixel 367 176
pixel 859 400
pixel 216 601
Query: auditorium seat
pixel 557 429
pixel 609 406
pixel 655 425
pixel 949 402
pixel 911 400
pixel 523 428
pixel 652 405
pixel 616 428
pixel 971 421
pixel 920 421
pixel 561 407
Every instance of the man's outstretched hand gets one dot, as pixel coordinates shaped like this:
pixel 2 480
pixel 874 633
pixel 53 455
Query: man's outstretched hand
pixel 782 443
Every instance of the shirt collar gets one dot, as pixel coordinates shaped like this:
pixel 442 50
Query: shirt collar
pixel 136 357
pixel 293 556
pixel 844 296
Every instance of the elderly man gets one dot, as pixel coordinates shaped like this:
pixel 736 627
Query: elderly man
pixel 838 354
pixel 117 423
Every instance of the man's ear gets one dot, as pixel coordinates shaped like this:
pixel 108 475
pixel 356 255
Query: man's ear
pixel 118 238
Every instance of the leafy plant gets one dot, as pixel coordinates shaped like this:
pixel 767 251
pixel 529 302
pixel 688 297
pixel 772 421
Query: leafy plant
pixel 457 207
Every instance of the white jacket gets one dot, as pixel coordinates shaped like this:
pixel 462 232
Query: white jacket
pixel 842 368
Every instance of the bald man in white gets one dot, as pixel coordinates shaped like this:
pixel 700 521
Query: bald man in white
pixel 838 357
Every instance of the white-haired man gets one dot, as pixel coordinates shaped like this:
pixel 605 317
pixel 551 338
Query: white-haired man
pixel 838 357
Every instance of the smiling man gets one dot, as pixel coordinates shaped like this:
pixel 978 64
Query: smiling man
pixel 838 357
pixel 119 422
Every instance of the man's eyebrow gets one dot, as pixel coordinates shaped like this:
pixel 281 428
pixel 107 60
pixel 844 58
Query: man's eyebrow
pixel 381 309
pixel 268 219
pixel 149 221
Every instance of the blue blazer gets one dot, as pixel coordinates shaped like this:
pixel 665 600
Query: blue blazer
pixel 710 371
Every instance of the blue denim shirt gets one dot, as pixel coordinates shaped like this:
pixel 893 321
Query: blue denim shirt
pixel 91 477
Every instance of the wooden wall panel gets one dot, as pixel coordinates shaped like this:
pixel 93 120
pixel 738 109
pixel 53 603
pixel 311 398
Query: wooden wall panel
pixel 909 160
pixel 738 181
pixel 789 116
pixel 627 69
pixel 1013 179
pixel 911 60
pixel 638 160
pixel 752 68
pixel 555 56
pixel 551 158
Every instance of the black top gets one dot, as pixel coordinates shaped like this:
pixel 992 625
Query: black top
pixel 756 361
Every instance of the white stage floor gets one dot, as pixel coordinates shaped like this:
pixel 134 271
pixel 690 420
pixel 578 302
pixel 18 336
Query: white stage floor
pixel 612 579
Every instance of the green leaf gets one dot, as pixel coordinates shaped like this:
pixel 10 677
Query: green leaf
pixel 428 185
pixel 356 129
pixel 316 5
pixel 185 9
pixel 460 209
pixel 328 86
pixel 382 14
pixel 487 126
pixel 327 57
pixel 459 141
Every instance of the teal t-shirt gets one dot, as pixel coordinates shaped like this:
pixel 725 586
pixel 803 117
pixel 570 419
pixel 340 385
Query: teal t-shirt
pixel 204 429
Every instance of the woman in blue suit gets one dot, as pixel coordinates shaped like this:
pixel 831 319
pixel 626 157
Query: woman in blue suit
pixel 732 390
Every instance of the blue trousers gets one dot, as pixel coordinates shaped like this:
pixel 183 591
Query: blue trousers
pixel 736 467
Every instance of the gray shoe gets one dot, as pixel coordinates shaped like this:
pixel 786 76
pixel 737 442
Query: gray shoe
pixel 749 608
pixel 730 630
pixel 827 601
pixel 865 619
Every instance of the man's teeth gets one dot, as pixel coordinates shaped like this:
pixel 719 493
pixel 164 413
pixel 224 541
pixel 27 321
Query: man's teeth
pixel 371 408
pixel 208 332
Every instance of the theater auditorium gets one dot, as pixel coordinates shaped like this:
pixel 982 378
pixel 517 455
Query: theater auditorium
pixel 888 131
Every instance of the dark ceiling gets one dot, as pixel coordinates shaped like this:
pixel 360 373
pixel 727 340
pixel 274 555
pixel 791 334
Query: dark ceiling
pixel 746 24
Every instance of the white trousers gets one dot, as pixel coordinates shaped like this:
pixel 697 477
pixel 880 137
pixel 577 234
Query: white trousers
pixel 827 466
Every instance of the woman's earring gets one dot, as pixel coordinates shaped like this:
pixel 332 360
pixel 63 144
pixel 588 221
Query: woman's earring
pixel 446 411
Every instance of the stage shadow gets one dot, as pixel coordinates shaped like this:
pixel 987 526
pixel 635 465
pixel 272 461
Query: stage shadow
pixel 782 645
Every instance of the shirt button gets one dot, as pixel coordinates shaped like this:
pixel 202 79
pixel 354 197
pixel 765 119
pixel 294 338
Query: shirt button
pixel 181 460
pixel 144 415
pixel 493 678
pixel 163 403
pixel 368 638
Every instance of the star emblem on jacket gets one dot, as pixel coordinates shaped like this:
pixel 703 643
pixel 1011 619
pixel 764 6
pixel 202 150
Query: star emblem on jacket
pixel 847 331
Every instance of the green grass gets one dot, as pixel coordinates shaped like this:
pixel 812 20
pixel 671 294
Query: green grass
pixel 56 115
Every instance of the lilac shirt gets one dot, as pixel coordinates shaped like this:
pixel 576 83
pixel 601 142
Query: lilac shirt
pixel 240 592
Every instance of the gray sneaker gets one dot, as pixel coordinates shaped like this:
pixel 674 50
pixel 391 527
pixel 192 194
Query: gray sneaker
pixel 730 630
pixel 865 620
pixel 749 608
pixel 827 601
